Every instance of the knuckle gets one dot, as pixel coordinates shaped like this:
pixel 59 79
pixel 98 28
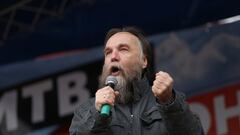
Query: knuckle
pixel 97 92
pixel 154 90
pixel 163 87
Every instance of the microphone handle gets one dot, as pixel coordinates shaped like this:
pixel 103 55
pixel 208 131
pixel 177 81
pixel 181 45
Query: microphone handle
pixel 105 110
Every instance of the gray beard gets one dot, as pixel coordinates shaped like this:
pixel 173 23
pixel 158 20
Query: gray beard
pixel 125 82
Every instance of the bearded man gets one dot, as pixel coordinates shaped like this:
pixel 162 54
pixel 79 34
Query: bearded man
pixel 136 107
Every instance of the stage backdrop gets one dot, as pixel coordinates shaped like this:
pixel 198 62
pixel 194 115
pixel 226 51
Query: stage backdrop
pixel 38 96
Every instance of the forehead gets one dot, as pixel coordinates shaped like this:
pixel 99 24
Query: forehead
pixel 123 38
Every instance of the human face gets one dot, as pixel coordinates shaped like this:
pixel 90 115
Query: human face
pixel 123 59
pixel 122 52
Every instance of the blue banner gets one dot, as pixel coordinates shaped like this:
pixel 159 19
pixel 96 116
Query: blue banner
pixel 38 95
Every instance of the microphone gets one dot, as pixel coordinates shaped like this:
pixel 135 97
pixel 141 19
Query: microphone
pixel 112 82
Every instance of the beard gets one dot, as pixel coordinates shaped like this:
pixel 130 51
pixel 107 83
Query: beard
pixel 125 80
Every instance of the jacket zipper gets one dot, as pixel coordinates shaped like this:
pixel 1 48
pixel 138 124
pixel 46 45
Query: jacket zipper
pixel 131 114
pixel 131 118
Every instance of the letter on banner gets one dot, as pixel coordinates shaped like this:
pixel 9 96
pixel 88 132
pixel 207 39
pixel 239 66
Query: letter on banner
pixel 8 108
pixel 70 86
pixel 223 113
pixel 36 92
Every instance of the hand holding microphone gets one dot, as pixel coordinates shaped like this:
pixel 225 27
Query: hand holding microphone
pixel 105 97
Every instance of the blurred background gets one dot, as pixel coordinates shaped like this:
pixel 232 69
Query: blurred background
pixel 51 56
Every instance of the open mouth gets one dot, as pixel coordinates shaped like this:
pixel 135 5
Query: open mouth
pixel 115 71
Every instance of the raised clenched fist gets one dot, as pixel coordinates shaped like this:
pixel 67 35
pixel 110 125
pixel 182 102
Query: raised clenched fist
pixel 162 87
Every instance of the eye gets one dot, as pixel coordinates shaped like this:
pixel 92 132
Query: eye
pixel 124 49
pixel 106 53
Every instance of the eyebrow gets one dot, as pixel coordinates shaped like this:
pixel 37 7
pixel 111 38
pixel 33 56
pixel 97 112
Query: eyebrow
pixel 123 45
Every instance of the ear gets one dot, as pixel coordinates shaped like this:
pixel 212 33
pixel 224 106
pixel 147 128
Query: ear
pixel 145 62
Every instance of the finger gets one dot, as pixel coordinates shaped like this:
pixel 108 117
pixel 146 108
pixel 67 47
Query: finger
pixel 109 88
pixel 100 103
pixel 163 74
pixel 116 93
pixel 167 80
pixel 104 96
pixel 109 98
pixel 105 90
pixel 109 102
pixel 161 85
pixel 155 91
pixel 158 89
pixel 161 82
pixel 160 73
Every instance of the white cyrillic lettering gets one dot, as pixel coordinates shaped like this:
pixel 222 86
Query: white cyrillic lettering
pixel 36 92
pixel 8 108
pixel 69 86
pixel 223 113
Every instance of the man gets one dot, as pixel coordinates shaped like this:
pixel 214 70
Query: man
pixel 136 108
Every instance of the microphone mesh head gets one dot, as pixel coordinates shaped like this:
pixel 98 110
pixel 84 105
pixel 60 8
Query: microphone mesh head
pixel 111 80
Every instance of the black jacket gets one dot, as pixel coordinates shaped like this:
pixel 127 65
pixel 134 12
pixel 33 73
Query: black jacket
pixel 142 117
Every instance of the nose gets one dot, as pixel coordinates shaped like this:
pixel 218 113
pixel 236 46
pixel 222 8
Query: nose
pixel 115 56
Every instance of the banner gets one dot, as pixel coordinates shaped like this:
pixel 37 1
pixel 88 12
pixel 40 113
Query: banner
pixel 219 110
pixel 38 96
pixel 205 63
pixel 42 94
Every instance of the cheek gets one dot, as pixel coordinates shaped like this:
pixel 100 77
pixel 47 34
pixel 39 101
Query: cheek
pixel 129 61
pixel 131 64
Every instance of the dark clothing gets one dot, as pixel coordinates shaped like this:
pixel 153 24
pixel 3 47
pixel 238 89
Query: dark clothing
pixel 144 116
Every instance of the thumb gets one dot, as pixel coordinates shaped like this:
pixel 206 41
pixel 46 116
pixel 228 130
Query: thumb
pixel 116 93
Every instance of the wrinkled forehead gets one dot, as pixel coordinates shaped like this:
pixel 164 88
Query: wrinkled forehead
pixel 123 38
